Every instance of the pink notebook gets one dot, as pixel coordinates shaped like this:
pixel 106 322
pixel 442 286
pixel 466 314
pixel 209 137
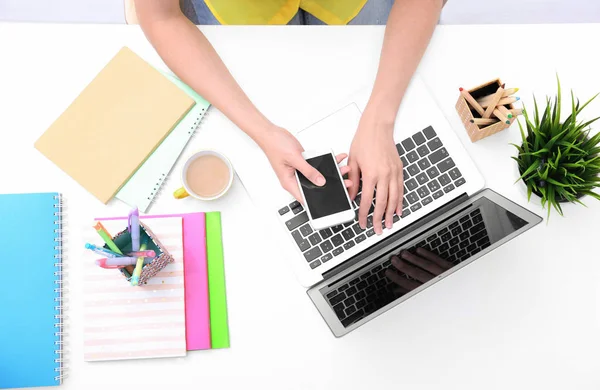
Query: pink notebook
pixel 197 315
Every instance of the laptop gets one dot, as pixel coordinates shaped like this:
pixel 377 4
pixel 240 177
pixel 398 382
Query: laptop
pixel 448 218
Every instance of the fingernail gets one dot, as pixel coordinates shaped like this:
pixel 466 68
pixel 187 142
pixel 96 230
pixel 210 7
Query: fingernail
pixel 320 181
pixel 388 225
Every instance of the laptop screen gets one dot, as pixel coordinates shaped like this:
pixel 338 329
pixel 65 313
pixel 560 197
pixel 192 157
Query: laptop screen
pixel 422 258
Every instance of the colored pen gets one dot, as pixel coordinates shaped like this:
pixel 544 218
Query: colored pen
pixel 135 278
pixel 493 103
pixel 134 229
pixel 106 237
pixel 102 251
pixel 148 253
pixel 507 93
pixel 119 262
pixel 471 101
pixel 501 102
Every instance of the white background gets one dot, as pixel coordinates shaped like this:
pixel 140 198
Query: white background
pixel 455 12
pixel 526 316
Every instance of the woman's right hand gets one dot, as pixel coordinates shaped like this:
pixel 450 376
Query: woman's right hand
pixel 285 155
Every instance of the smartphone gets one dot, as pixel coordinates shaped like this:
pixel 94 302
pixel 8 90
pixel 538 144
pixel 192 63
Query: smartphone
pixel 330 204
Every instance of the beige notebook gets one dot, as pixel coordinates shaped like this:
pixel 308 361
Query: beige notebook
pixel 112 127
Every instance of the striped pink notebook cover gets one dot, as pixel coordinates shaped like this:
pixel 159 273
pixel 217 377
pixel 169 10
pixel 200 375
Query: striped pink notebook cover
pixel 197 311
pixel 125 322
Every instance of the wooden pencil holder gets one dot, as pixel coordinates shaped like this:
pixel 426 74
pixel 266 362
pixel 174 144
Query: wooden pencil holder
pixel 467 113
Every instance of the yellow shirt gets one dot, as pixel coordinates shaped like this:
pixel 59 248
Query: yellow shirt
pixel 282 11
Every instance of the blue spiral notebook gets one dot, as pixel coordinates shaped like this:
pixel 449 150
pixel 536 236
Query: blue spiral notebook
pixel 31 325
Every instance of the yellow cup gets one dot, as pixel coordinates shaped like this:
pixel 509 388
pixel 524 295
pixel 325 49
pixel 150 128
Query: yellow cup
pixel 185 191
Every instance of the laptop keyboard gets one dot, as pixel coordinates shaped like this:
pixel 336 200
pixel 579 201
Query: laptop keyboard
pixel 429 173
pixel 371 289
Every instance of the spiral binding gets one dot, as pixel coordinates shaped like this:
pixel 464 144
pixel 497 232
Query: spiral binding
pixel 60 288
pixel 157 189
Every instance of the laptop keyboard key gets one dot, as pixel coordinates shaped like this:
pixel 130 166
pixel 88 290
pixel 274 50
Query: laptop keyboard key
pixel 297 210
pixel 446 164
pixel 349 245
pixel 415 207
pixel 395 218
pixel 360 238
pixel 325 233
pixel 419 138
pixel 434 144
pixel 348 234
pixel 302 243
pixel 313 253
pixel 444 180
pixel 350 300
pixel 405 212
pixel 370 232
pixel 412 198
pixel 414 169
pixel 477 218
pixel 284 210
pixel 427 200
pixel 315 239
pixel 339 298
pixel 438 156
pixel 404 161
pixel 411 184
pixel 298 220
pixel 357 315
pixel 454 173
pixel 429 132
pixel 422 150
pixel 357 228
pixel 422 178
pixel 399 149
pixel 412 156
pixel 460 182
pixel 477 228
pixel 423 192
pixel 424 163
pixel 327 257
pixel 294 204
pixel 433 172
pixel 338 251
pixel 337 240
pixel 433 185
pixel 326 246
pixel 306 230
pixel 438 194
pixel 315 264
pixel 448 188
pixel 408 144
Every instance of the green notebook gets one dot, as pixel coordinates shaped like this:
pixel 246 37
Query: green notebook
pixel 219 329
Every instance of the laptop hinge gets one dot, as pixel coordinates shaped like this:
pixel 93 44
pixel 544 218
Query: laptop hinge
pixel 396 236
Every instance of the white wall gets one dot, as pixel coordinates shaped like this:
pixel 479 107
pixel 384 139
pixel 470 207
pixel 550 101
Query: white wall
pixel 521 11
pixel 455 12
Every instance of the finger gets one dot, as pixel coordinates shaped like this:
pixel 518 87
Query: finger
pixel 340 157
pixel 424 253
pixel 411 270
pixel 310 172
pixel 422 263
pixel 348 183
pixel 392 204
pixel 380 205
pixel 291 186
pixel 401 280
pixel 400 193
pixel 345 170
pixel 354 176
pixel 365 203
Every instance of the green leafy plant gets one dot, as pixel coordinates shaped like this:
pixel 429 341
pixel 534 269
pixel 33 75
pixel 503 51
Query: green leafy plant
pixel 558 160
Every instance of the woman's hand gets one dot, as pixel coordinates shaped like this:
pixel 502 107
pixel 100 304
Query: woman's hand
pixel 285 155
pixel 374 157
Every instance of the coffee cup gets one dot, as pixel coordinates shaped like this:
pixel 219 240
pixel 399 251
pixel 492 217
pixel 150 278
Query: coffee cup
pixel 206 175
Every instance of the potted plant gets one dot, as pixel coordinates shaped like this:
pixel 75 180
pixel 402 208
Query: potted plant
pixel 559 161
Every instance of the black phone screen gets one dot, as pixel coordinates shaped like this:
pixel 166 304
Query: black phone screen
pixel 329 199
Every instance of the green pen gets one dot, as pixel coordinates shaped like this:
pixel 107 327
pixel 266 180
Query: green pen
pixel 106 237
pixel 137 272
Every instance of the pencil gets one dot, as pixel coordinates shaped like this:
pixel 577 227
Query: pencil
pixel 505 111
pixel 471 101
pixel 493 103
pixel 501 116
pixel 484 122
pixel 507 93
pixel 516 111
pixel 501 102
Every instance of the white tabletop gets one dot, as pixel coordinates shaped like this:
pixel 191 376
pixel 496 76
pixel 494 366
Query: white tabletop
pixel 525 316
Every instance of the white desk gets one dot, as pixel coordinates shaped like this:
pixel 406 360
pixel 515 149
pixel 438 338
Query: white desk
pixel 525 316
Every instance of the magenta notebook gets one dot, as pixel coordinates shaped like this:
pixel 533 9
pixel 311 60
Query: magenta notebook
pixel 197 315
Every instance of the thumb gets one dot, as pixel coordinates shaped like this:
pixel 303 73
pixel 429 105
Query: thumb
pixel 309 172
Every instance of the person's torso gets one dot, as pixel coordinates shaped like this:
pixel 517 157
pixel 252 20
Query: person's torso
pixel 282 11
